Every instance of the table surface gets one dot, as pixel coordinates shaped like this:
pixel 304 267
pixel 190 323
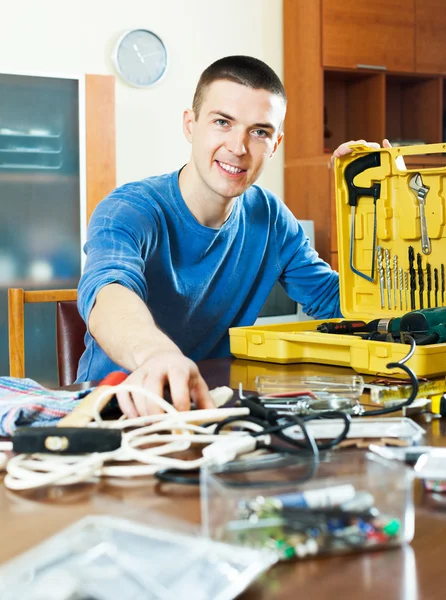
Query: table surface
pixel 412 572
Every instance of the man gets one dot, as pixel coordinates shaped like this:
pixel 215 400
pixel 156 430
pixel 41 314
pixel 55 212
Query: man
pixel 173 261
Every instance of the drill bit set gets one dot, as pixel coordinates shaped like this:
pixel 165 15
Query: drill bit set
pixel 391 232
pixel 409 288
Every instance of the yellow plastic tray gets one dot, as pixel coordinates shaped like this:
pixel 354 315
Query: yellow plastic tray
pixel 398 227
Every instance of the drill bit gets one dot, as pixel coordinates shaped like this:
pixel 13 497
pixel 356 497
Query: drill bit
pixel 429 283
pixel 406 288
pixel 395 281
pixel 436 285
pixel 400 272
pixel 420 279
pixel 442 285
pixel 388 278
pixel 379 251
pixel 413 281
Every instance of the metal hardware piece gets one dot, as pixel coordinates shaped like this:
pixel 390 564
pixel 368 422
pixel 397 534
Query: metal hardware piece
pixel 413 278
pixel 442 284
pixel 388 278
pixel 379 251
pixel 374 67
pixel 395 281
pixel 429 283
pixel 400 280
pixel 420 279
pixel 56 443
pixel 420 190
pixel 406 288
pixel 436 285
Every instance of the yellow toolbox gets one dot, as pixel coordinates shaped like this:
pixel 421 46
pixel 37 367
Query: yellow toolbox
pixel 392 257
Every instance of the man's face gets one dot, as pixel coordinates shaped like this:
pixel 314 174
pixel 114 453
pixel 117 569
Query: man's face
pixel 237 131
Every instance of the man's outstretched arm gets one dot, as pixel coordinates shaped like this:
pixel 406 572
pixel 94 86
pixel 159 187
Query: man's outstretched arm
pixel 123 326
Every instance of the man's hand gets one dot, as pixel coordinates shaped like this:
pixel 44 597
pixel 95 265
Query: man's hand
pixel 344 148
pixel 172 368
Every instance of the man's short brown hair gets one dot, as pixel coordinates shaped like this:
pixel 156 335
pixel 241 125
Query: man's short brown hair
pixel 245 70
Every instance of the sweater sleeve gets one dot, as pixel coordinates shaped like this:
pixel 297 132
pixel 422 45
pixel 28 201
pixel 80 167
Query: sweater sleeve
pixel 306 278
pixel 120 235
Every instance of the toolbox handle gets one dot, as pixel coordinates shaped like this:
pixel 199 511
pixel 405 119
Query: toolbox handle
pixel 439 148
pixel 324 338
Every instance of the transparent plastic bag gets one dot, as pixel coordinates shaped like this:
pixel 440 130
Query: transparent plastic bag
pixel 108 558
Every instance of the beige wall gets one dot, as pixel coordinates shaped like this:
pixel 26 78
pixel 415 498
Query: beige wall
pixel 61 36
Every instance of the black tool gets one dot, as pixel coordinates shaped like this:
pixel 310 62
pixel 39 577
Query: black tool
pixel 436 285
pixel 420 279
pixel 442 285
pixel 347 327
pixel 413 283
pixel 361 164
pixel 384 326
pixel 429 283
pixel 65 440
pixel 429 323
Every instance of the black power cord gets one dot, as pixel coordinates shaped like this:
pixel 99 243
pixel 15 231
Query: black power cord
pixel 413 380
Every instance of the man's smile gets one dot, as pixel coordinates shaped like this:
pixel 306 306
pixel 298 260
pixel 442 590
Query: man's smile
pixel 230 169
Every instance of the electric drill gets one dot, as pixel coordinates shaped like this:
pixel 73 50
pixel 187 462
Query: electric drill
pixel 430 323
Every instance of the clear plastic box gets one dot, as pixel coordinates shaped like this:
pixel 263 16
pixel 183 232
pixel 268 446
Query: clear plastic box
pixel 355 501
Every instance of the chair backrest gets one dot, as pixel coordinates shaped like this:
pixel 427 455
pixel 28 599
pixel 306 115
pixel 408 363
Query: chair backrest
pixel 70 330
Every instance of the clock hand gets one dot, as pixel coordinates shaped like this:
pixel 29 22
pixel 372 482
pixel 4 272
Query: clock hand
pixel 138 53
pixel 152 53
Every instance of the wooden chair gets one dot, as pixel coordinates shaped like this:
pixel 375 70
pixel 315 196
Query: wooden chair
pixel 70 330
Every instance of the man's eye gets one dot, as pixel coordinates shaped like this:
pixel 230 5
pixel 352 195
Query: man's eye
pixel 261 133
pixel 222 122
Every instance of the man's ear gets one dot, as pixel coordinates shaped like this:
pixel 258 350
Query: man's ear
pixel 277 144
pixel 188 124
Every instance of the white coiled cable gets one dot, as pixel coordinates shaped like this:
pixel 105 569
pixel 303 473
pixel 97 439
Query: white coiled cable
pixel 144 449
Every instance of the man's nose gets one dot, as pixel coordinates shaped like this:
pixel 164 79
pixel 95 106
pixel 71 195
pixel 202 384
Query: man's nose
pixel 237 143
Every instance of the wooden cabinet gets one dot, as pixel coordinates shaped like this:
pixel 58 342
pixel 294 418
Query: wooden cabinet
pixel 378 34
pixel 311 199
pixel 333 99
pixel 430 38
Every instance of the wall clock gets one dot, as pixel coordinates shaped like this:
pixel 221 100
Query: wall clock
pixel 140 57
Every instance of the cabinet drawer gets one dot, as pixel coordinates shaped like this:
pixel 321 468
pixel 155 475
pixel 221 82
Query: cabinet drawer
pixel 379 34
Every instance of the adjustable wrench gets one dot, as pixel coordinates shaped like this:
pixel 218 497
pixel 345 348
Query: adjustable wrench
pixel 420 191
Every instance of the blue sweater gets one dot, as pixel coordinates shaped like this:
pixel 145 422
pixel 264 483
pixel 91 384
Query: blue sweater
pixel 198 281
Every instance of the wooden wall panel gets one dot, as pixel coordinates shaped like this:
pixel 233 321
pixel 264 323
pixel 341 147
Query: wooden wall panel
pixel 308 196
pixel 303 78
pixel 100 138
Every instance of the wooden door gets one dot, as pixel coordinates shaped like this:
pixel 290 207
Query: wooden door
pixel 377 34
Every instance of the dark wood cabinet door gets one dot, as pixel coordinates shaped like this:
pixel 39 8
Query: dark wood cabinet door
pixel 378 34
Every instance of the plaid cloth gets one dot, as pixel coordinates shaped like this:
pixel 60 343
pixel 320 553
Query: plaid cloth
pixel 25 402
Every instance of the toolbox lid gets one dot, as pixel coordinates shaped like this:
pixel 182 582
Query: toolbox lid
pixel 379 208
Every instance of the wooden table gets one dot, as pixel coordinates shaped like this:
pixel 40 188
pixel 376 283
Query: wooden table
pixel 413 572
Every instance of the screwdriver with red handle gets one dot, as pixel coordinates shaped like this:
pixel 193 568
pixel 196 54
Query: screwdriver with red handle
pixel 346 327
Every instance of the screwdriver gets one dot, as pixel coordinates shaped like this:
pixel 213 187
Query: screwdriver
pixel 347 327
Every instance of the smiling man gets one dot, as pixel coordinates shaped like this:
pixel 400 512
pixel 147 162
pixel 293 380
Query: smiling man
pixel 174 260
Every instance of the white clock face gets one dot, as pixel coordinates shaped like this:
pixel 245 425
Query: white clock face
pixel 141 57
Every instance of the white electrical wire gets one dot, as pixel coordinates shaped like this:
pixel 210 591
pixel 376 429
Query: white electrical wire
pixel 146 441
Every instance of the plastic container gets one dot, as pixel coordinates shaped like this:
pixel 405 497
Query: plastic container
pixel 354 502
pixel 398 227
